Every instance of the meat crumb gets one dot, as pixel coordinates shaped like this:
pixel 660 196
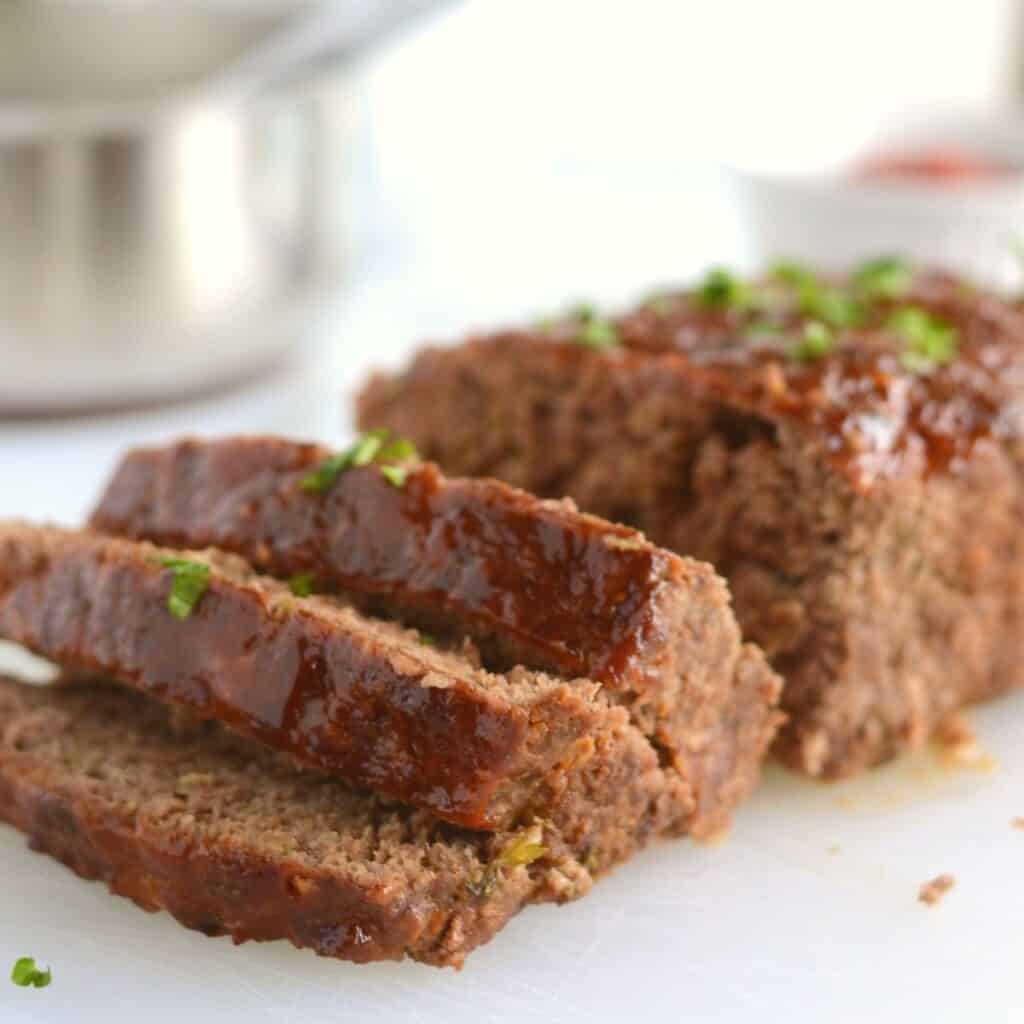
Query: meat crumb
pixel 715 838
pixel 957 747
pixel 933 891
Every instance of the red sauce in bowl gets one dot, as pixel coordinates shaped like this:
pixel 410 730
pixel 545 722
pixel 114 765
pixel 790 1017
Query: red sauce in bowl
pixel 941 166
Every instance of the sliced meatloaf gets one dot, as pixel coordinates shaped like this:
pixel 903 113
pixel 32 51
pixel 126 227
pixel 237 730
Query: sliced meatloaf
pixel 350 695
pixel 847 454
pixel 531 582
pixel 232 839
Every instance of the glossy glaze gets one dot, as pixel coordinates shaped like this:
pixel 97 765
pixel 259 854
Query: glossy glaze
pixel 365 703
pixel 542 583
pixel 872 417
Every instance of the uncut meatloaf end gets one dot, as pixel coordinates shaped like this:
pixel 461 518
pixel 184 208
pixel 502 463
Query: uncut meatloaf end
pixel 231 839
pixel 531 581
pixel 884 606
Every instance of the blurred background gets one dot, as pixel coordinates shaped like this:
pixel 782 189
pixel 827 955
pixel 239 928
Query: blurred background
pixel 217 215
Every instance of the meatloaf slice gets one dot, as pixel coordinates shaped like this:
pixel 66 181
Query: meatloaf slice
pixel 848 454
pixel 350 695
pixel 532 582
pixel 232 839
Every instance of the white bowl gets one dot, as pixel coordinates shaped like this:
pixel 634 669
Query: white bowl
pixel 825 217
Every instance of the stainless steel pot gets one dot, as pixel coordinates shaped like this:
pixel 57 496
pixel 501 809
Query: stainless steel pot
pixel 173 225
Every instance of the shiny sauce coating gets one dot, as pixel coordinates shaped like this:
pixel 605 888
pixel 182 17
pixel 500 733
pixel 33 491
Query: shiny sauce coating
pixel 872 416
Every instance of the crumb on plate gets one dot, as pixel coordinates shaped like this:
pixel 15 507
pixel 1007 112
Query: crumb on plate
pixel 933 891
pixel 957 747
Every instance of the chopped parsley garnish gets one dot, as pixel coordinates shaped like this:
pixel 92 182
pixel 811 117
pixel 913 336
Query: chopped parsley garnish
pixel 722 289
pixel 396 450
pixel 190 582
pixel 395 475
pixel 833 306
pixel 522 851
pixel 593 331
pixel 816 341
pixel 786 272
pixel 885 278
pixel 426 639
pixel 301 584
pixel 362 453
pixel 929 342
pixel 373 446
pixel 599 335
pixel 25 973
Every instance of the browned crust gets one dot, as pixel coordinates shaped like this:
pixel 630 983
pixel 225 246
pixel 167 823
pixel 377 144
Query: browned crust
pixel 345 694
pixel 158 855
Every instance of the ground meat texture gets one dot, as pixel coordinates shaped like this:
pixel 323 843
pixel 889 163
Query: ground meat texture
pixel 232 839
pixel 531 582
pixel 868 518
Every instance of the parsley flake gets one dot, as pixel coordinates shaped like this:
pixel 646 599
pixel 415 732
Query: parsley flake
pixel 593 331
pixel 524 850
pixel 885 278
pixel 396 450
pixel 787 272
pixel 395 475
pixel 929 342
pixel 372 447
pixel 521 852
pixel 834 306
pixel 722 289
pixel 301 584
pixel 190 581
pixel 815 342
pixel 597 334
pixel 26 974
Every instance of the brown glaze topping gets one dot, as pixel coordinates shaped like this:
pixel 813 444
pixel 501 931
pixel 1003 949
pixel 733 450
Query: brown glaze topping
pixel 546 585
pixel 877 411
pixel 340 692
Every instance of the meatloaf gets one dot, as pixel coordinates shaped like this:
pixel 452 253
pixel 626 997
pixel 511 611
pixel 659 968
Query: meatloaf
pixel 232 839
pixel 531 582
pixel 847 453
pixel 355 697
